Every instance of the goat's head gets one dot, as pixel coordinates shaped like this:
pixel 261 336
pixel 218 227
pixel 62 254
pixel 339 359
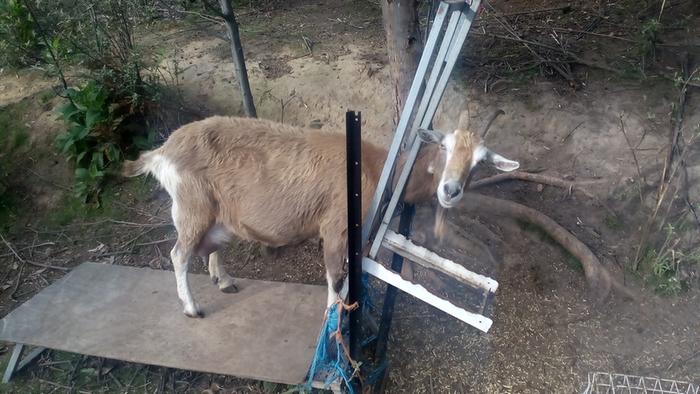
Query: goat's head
pixel 460 151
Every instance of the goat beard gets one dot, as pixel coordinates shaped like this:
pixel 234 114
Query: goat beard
pixel 440 223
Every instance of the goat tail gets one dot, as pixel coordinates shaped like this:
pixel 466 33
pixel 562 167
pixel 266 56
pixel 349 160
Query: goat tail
pixel 140 166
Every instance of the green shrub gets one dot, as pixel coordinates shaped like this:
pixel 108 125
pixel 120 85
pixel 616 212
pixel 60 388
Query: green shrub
pixel 19 44
pixel 101 129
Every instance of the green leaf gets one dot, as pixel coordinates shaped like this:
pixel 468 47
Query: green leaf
pixel 81 173
pixel 69 112
pixel 92 117
pixel 112 152
pixel 80 156
pixel 93 170
pixel 83 132
pixel 98 159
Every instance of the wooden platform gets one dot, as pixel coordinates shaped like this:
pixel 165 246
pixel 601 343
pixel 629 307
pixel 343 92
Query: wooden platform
pixel 267 331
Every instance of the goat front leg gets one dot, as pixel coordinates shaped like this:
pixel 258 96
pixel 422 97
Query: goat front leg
pixel 218 274
pixel 181 258
pixel 334 258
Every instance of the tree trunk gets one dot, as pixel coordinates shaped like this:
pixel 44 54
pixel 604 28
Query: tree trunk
pixel 403 46
pixel 238 60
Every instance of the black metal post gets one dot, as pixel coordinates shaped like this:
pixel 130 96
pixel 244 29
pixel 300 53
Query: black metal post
pixel 390 297
pixel 354 164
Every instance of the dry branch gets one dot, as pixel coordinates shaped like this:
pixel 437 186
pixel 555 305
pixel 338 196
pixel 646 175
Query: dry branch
pixel 600 280
pixel 14 252
pixel 636 162
pixel 538 178
pixel 669 170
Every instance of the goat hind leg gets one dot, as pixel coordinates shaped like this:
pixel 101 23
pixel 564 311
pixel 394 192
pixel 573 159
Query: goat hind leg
pixel 218 274
pixel 181 258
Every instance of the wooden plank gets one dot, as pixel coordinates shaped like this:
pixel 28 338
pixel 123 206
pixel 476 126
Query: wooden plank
pixel 12 364
pixel 267 331
pixel 377 270
pixel 397 243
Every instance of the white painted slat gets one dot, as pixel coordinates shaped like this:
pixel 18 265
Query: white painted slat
pixel 377 270
pixel 397 243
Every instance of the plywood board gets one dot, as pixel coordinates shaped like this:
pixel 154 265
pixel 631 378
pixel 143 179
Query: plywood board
pixel 267 331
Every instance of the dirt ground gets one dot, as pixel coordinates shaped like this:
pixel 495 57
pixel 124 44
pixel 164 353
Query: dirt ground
pixel 311 61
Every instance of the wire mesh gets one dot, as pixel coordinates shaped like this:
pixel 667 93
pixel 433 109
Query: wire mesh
pixel 614 383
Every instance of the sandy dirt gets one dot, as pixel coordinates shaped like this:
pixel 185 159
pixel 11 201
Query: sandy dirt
pixel 548 333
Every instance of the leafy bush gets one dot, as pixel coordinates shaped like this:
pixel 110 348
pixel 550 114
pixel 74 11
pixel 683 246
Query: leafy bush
pixel 96 138
pixel 664 264
pixel 105 112
pixel 647 40
pixel 19 44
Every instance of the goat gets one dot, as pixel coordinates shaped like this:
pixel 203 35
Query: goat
pixel 281 185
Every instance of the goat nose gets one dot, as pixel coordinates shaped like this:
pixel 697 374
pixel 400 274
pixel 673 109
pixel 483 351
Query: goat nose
pixel 452 189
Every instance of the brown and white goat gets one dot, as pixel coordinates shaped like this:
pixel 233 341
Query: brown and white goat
pixel 281 185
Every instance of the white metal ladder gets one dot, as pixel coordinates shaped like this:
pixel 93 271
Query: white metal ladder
pixel 448 45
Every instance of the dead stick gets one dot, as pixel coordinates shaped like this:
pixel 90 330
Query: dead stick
pixel 28 247
pixel 19 280
pixel 676 122
pixel 536 11
pixel 599 278
pixel 571 132
pixel 547 180
pixel 160 241
pixel 532 177
pixel 61 386
pixel 590 33
pixel 636 162
pixel 520 40
pixel 9 246
pixel 669 170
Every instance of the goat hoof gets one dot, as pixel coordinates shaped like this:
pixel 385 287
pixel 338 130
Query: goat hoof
pixel 196 315
pixel 230 289
pixel 215 280
pixel 196 312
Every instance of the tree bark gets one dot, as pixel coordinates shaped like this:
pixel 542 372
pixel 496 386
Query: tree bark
pixel 237 54
pixel 403 46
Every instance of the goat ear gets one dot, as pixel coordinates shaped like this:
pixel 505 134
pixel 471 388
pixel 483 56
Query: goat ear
pixel 430 136
pixel 501 163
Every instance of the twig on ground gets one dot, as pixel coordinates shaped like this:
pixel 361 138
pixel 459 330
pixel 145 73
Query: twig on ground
pixel 677 363
pixel 116 253
pixel 63 387
pixel 686 194
pixel 160 241
pixel 122 223
pixel 137 237
pixel 641 180
pixel 74 370
pixel 565 72
pixel 537 11
pixel 133 377
pixel 49 181
pixel 571 132
pixel 570 186
pixel 9 246
pixel 538 178
pixel 19 279
pixel 599 278
pixel 115 380
pixel 28 247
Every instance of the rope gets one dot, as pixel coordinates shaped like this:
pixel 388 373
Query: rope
pixel 324 363
pixel 329 365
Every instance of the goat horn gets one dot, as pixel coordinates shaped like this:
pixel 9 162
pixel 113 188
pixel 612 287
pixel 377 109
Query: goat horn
pixel 488 123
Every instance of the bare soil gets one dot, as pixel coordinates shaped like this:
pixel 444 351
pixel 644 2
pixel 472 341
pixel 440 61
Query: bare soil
pixel 309 62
